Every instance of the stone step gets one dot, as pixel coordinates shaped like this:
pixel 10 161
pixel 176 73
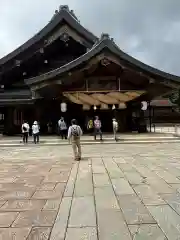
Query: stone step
pixel 65 143
pixel 91 138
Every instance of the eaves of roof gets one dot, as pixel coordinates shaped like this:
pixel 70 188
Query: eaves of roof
pixel 104 43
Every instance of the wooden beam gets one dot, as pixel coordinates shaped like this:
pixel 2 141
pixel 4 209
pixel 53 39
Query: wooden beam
pixel 170 84
pixel 103 91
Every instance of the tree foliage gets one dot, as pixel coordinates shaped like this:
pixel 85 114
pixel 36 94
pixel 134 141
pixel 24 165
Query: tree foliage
pixel 175 97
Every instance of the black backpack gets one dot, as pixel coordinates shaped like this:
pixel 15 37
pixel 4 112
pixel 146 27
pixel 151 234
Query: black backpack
pixel 24 128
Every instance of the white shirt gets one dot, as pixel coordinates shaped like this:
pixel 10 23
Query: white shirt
pixel 26 125
pixel 62 125
pixel 79 130
pixel 115 125
pixel 35 128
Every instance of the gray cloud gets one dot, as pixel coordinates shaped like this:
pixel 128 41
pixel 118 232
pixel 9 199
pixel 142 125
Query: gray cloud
pixel 147 30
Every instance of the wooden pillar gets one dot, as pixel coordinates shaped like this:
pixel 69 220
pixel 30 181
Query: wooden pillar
pixel 150 117
pixel 9 126
pixel 37 111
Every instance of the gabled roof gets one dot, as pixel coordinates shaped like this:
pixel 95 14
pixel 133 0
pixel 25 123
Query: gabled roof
pixel 104 43
pixel 63 14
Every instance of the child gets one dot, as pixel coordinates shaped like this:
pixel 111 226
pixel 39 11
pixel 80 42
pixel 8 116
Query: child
pixel 74 134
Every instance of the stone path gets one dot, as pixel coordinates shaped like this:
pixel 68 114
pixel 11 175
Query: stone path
pixel 116 192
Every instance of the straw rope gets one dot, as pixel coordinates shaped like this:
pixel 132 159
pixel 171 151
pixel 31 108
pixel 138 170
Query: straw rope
pixel 104 98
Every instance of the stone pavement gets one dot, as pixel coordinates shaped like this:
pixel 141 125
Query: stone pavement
pixel 116 192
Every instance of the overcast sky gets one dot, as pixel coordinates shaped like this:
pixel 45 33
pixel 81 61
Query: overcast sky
pixel 149 30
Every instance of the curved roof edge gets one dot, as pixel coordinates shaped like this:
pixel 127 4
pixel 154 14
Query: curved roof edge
pixel 104 42
pixel 63 14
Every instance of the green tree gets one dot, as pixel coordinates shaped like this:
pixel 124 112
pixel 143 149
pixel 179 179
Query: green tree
pixel 175 97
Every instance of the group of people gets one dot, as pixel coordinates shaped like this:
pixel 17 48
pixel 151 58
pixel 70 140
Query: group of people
pixel 73 133
pixel 25 128
pixel 94 126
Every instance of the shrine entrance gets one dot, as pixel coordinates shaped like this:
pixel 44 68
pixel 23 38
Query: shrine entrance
pixel 49 111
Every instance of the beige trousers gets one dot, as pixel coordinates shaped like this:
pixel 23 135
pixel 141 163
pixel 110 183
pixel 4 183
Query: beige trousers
pixel 76 146
pixel 115 133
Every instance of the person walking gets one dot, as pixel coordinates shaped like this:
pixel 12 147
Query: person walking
pixel 115 128
pixel 74 135
pixel 25 131
pixel 62 128
pixel 90 125
pixel 49 127
pixel 97 128
pixel 35 132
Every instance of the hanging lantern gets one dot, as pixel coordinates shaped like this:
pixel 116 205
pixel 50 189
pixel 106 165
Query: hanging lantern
pixel 144 105
pixel 63 107
pixel 113 107
pixel 104 106
pixel 46 61
pixel 86 107
pixel 94 107
pixel 122 105
pixel 41 50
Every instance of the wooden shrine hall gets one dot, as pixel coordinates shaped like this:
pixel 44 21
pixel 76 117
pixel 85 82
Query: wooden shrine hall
pixel 66 65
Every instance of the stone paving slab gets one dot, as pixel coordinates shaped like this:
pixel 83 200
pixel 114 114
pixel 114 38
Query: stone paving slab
pixel 39 233
pixel 134 211
pixel 35 219
pixel 15 233
pixel 120 192
pixel 147 232
pixel 84 184
pixel 173 200
pixel 87 233
pixel 122 187
pixel 111 225
pixel 61 222
pixel 167 219
pixel 82 212
pixel 148 195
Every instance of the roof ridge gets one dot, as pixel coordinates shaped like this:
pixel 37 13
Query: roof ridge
pixel 65 8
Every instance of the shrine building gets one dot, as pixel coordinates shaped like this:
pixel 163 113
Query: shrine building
pixel 65 70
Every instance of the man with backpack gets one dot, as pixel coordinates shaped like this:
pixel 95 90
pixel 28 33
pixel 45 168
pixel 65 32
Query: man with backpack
pixel 62 128
pixel 97 128
pixel 74 134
